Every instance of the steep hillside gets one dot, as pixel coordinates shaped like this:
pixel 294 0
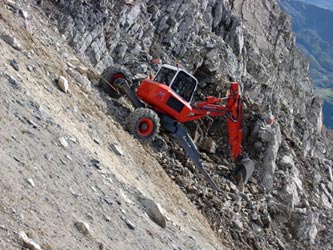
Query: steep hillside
pixel 66 163
pixel 312 26
pixel 66 160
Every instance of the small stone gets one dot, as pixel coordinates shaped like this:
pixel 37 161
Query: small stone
pixel 63 84
pixel 254 216
pixel 101 246
pixel 108 200
pixel 14 64
pixel 28 243
pixel 129 2
pixel 81 80
pixel 180 180
pixel 266 220
pixel 73 139
pixel 15 84
pixel 287 161
pixel 32 123
pixel 63 142
pixel 11 41
pixel 238 224
pixel 256 228
pixel 96 141
pixel 17 159
pixel 128 223
pixel 253 189
pixel 10 3
pixel 329 169
pixel 280 244
pixel 107 218
pixel 208 145
pixel 96 163
pixel 31 182
pixel 116 148
pixel 154 211
pixel 140 76
pixel 30 68
pixel 191 189
pixel 82 70
pixel 48 157
pixel 83 227
pixel 46 246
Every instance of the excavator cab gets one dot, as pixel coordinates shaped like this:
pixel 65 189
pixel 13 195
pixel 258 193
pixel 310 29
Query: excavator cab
pixel 181 82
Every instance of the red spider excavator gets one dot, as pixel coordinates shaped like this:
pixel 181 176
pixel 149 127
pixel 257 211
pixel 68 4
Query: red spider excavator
pixel 165 101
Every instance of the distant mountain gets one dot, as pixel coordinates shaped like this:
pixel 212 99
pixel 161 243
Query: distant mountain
pixel 326 4
pixel 314 36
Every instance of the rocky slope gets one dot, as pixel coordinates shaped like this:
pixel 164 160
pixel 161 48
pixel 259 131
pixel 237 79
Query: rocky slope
pixel 287 203
pixel 71 178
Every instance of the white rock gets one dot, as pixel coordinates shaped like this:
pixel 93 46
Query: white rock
pixel 83 81
pixel 63 84
pixel 287 161
pixel 28 243
pixel 63 142
pixel 83 227
pixel 116 148
pixel 154 211
pixel 140 76
pixel 31 182
pixel 12 41
pixel 82 69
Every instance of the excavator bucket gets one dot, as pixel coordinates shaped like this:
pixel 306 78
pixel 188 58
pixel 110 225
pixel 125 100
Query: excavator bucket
pixel 244 169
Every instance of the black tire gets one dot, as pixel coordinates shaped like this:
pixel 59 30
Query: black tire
pixel 143 124
pixel 109 77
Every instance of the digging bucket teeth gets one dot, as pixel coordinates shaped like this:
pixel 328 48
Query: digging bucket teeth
pixel 244 167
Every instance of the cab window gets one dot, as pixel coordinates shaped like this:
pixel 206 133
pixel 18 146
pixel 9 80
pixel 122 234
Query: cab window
pixel 165 75
pixel 184 85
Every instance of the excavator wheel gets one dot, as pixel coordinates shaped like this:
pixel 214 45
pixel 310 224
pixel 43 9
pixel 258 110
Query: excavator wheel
pixel 109 79
pixel 143 124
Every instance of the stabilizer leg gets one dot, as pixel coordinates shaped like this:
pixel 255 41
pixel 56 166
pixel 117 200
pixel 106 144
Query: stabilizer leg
pixel 178 131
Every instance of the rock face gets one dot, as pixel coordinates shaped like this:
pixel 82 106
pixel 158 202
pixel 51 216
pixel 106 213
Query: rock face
pixel 219 40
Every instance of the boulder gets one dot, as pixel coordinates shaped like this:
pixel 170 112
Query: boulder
pixel 28 243
pixel 153 210
pixel 11 40
pixel 63 84
pixel 81 80
pixel 304 226
pixel 82 227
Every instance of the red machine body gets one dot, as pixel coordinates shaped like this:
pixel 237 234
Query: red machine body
pixel 171 93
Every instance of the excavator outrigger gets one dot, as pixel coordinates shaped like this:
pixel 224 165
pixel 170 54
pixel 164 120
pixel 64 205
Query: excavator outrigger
pixel 164 100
